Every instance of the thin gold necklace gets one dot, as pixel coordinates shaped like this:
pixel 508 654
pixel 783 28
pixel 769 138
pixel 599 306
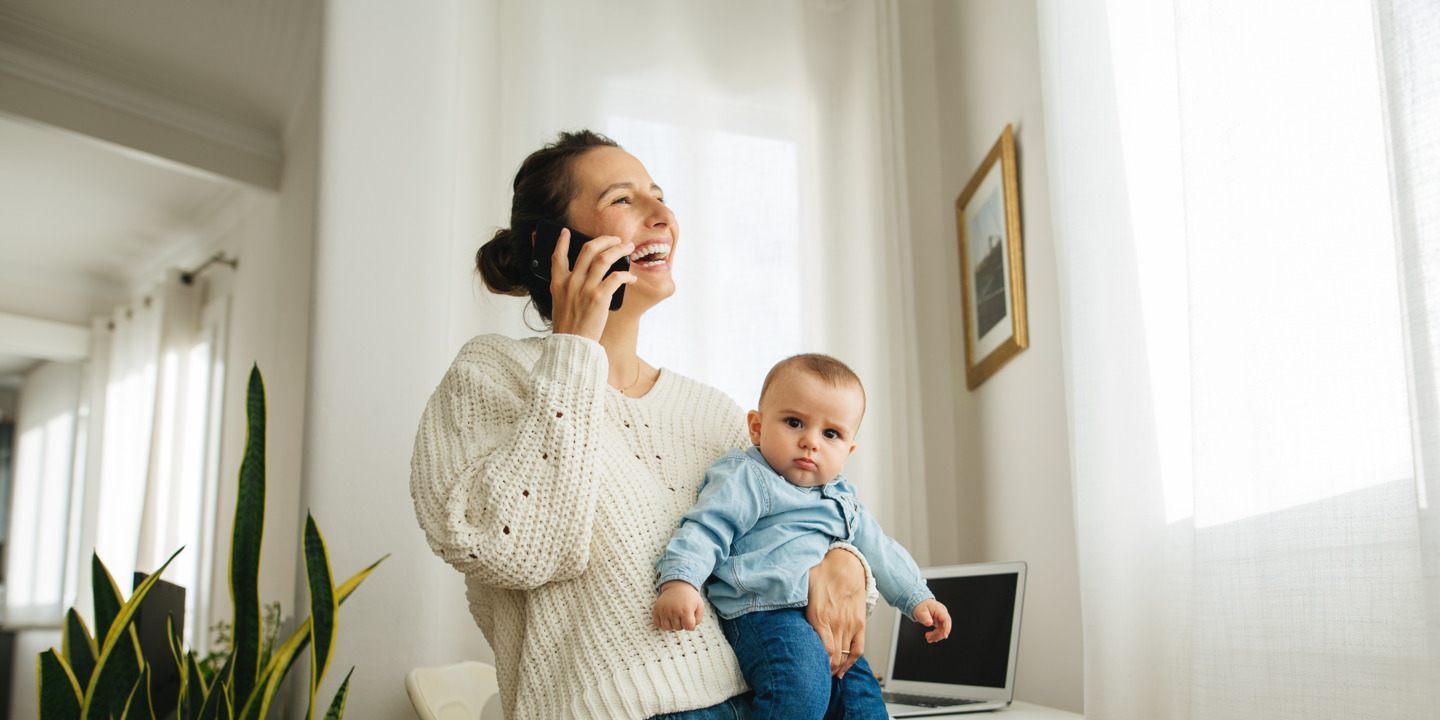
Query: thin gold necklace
pixel 633 384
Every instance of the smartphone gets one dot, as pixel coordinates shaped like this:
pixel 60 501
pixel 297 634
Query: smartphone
pixel 547 234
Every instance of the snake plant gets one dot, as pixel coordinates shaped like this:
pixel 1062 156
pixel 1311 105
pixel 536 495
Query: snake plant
pixel 104 676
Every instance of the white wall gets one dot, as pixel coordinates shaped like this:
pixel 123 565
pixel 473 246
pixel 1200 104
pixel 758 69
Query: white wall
pixel 997 457
pixel 392 303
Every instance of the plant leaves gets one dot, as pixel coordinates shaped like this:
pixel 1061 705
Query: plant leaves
pixel 285 657
pixel 192 697
pixel 322 607
pixel 245 545
pixel 337 706
pixel 57 688
pixel 107 598
pixel 218 695
pixel 81 652
pixel 121 672
pixel 116 672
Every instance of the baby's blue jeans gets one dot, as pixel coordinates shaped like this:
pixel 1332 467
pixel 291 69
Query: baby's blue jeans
pixel 787 666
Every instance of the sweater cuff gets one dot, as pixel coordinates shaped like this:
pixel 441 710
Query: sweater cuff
pixel 573 360
pixel 871 594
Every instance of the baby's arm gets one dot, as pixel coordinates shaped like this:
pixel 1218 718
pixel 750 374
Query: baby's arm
pixel 730 503
pixel 679 606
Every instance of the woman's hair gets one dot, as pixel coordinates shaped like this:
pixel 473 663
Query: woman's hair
pixel 544 187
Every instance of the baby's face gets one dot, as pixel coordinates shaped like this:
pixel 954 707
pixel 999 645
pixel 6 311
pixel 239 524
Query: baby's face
pixel 806 427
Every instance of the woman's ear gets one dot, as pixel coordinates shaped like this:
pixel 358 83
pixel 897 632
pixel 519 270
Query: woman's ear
pixel 752 421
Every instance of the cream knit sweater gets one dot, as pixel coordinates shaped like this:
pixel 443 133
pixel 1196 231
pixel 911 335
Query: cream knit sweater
pixel 554 494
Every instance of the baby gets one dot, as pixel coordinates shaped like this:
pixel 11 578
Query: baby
pixel 765 516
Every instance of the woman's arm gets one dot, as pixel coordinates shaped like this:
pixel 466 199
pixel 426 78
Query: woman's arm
pixel 503 473
pixel 838 604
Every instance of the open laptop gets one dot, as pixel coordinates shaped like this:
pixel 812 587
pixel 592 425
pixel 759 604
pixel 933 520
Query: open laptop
pixel 973 669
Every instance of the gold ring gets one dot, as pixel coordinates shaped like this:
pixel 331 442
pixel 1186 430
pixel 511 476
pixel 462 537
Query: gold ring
pixel 844 652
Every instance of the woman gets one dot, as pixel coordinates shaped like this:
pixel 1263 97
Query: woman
pixel 551 471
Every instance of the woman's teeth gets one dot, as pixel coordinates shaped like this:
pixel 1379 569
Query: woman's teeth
pixel 657 252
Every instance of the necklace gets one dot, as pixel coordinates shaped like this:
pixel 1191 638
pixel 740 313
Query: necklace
pixel 633 384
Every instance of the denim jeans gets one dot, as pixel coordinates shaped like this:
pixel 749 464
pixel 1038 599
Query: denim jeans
pixel 736 708
pixel 787 666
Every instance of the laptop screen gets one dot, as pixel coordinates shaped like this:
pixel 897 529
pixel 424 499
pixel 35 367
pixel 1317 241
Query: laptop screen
pixel 982 613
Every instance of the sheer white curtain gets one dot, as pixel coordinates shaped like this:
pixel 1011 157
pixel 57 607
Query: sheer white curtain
pixel 155 483
pixel 770 127
pixel 1248 447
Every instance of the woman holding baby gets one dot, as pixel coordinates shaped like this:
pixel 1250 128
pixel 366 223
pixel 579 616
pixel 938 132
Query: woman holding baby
pixel 551 471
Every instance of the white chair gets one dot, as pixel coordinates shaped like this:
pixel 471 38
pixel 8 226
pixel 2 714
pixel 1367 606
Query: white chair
pixel 453 692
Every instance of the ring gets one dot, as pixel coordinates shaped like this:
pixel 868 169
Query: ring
pixel 844 652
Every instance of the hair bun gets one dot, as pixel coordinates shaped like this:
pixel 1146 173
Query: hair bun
pixel 501 266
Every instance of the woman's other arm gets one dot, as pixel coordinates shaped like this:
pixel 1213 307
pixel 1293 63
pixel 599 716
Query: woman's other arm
pixel 504 470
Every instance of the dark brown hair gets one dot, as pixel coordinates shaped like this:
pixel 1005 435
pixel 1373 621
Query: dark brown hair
pixel 544 187
pixel 828 369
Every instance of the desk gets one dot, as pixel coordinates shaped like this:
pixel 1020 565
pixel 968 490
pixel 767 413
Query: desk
pixel 1016 711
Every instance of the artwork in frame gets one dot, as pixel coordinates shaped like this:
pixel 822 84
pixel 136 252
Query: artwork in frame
pixel 992 264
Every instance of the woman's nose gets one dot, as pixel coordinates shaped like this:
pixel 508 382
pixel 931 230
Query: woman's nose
pixel 661 215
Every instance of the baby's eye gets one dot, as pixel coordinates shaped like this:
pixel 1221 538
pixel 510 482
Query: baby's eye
pixel 793 422
pixel 832 434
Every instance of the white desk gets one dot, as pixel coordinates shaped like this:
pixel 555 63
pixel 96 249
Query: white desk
pixel 1016 711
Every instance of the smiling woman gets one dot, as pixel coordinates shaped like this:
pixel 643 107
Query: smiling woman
pixel 550 471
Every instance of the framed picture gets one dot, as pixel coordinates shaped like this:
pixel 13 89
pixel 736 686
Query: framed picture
pixel 992 264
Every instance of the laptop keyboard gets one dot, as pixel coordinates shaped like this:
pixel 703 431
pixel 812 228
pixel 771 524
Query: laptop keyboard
pixel 925 700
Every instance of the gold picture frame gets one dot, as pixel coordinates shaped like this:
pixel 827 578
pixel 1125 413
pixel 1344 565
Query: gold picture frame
pixel 992 264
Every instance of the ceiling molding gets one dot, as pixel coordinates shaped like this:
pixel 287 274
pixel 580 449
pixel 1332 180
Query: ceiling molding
pixel 37 62
pixel 43 339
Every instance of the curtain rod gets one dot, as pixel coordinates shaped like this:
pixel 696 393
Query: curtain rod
pixel 219 257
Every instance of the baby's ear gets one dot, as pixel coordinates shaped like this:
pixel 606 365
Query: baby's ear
pixel 852 450
pixel 752 423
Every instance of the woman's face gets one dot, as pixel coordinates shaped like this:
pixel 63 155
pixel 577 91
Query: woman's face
pixel 617 197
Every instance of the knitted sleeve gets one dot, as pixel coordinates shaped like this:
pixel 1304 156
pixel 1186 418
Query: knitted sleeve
pixel 504 470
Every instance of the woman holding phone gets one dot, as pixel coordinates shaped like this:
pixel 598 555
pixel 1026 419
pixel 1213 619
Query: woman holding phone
pixel 551 471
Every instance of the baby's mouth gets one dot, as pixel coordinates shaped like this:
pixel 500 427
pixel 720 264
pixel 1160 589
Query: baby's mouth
pixel 650 255
pixel 805 463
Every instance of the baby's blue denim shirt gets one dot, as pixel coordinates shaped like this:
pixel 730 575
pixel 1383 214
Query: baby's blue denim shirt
pixel 756 536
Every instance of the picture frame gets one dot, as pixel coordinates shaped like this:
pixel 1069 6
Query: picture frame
pixel 992 264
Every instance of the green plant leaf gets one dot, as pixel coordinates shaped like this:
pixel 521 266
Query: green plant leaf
pixel 193 695
pixel 130 700
pixel 218 696
pixel 56 687
pixel 107 598
pixel 100 695
pixel 245 545
pixel 337 706
pixel 285 657
pixel 81 652
pixel 115 674
pixel 322 607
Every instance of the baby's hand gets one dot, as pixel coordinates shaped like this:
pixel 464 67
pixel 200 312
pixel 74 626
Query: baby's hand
pixel 932 614
pixel 679 606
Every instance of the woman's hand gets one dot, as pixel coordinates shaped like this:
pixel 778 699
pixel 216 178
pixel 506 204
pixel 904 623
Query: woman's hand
pixel 837 608
pixel 582 296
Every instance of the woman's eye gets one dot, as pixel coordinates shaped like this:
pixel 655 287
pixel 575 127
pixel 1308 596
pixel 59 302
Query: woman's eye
pixel 619 200
pixel 793 422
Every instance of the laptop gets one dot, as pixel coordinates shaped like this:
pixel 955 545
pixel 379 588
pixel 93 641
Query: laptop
pixel 974 668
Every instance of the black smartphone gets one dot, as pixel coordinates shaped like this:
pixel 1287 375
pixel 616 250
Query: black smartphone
pixel 547 234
